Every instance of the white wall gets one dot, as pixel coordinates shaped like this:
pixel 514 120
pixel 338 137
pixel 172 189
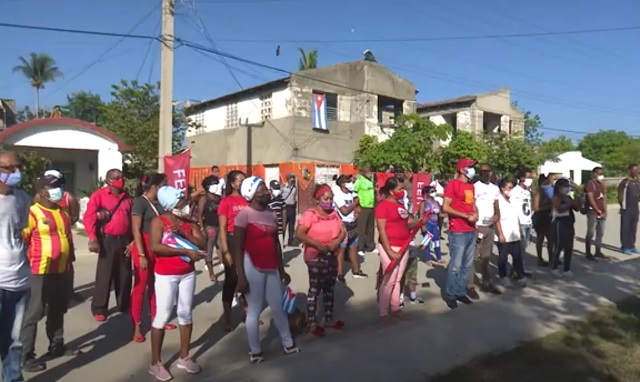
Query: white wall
pixel 60 137
pixel 214 119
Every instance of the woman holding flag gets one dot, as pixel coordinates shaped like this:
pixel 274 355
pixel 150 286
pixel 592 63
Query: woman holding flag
pixel 395 230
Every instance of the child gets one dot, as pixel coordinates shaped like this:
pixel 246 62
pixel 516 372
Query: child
pixel 50 252
pixel 277 205
pixel 562 223
pixel 430 210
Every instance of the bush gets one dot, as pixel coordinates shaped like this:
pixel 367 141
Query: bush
pixel 34 167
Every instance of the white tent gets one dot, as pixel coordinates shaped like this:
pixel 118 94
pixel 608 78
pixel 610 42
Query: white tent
pixel 570 164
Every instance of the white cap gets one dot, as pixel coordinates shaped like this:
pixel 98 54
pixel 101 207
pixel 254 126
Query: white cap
pixel 54 173
pixel 249 187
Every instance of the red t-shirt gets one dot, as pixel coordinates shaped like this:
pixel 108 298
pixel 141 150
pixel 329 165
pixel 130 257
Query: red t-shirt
pixel 261 235
pixel 173 265
pixel 230 206
pixel 462 197
pixel 397 217
pixel 323 229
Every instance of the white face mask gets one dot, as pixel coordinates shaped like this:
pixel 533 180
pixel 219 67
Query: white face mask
pixel 506 193
pixel 349 186
pixel 185 212
pixel 600 178
pixel 275 193
pixel 528 182
pixel 55 194
pixel 433 194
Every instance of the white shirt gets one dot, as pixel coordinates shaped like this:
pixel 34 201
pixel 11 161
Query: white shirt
pixel 509 220
pixel 486 195
pixel 406 202
pixel 439 191
pixel 522 197
pixel 342 199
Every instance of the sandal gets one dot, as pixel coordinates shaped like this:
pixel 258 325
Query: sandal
pixel 170 327
pixel 56 351
pixel 32 365
pixel 318 331
pixel 338 325
pixel 138 339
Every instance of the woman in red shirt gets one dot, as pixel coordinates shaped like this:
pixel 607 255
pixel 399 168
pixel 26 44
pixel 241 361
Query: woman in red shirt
pixel 321 231
pixel 394 228
pixel 258 258
pixel 175 277
pixel 229 208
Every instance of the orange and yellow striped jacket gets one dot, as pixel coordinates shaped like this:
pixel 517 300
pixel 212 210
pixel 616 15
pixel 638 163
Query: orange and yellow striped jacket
pixel 50 240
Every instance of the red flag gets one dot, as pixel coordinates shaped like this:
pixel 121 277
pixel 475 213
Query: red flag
pixel 176 167
pixel 420 180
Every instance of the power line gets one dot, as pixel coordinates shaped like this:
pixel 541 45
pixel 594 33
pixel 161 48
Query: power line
pixel 78 31
pixel 444 38
pixel 146 55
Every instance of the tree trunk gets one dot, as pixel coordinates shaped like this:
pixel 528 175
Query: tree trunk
pixel 37 103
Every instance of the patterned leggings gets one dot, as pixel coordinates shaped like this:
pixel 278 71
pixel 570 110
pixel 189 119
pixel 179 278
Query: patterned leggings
pixel 323 271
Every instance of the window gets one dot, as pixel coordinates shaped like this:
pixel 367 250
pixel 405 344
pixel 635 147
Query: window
pixel 265 107
pixel 388 110
pixel 231 121
pixel 332 106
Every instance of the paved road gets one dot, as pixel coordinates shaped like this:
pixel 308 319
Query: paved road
pixel 432 341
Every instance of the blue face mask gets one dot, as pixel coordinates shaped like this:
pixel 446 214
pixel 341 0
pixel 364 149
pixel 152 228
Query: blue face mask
pixel 470 173
pixel 55 194
pixel 11 179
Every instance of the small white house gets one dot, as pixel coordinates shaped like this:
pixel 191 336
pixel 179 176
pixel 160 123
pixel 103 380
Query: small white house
pixel 571 165
pixel 81 151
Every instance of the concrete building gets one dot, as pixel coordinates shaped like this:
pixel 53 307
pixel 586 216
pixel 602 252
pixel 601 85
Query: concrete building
pixel 81 151
pixel 361 98
pixel 7 113
pixel 478 113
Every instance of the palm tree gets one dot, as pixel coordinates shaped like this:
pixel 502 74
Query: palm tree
pixel 308 60
pixel 39 69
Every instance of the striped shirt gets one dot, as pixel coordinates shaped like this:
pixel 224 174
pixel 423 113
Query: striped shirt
pixel 277 204
pixel 50 243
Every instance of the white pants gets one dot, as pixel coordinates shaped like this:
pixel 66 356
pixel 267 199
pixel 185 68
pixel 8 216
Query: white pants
pixel 264 285
pixel 169 289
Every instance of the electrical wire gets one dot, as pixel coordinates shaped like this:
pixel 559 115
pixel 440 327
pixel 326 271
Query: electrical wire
pixel 146 55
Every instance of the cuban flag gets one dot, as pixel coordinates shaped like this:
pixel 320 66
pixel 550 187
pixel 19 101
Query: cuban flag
pixel 289 301
pixel 319 112
pixel 173 240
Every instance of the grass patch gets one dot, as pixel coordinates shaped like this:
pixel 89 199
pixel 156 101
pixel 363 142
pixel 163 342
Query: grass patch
pixel 605 347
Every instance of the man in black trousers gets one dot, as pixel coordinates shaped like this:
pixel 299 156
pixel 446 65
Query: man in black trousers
pixel 628 197
pixel 107 222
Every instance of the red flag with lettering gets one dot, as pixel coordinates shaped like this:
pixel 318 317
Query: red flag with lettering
pixel 420 180
pixel 176 167
pixel 381 179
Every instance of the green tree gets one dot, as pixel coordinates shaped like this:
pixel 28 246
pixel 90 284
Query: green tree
pixel 84 106
pixel 532 126
pixel 133 115
pixel 507 155
pixel 308 60
pixel 34 166
pixel 609 147
pixel 39 69
pixel 462 145
pixel 549 150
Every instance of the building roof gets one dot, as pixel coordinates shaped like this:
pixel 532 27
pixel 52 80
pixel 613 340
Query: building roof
pixel 450 101
pixel 82 125
pixel 258 89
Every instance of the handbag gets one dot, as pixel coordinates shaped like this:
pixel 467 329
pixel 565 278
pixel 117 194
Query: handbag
pixel 104 216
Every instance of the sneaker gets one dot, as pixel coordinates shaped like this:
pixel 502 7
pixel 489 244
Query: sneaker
pixel 627 252
pixel 522 282
pixel 341 279
pixel 568 273
pixel 361 253
pixel 451 303
pixel 465 300
pixel 634 250
pixel 160 372
pixel 359 275
pixel 206 267
pixel 256 358
pixel 293 349
pixel 401 305
pixel 473 294
pixel 189 365
pixel 556 272
pixel 490 288
pixel 416 301
pixel 505 282
pixel 591 258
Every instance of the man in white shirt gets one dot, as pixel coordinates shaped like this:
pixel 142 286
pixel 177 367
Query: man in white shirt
pixel 486 194
pixel 521 196
pixel 345 202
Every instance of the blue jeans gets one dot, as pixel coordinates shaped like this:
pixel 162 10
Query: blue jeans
pixel 13 305
pixel 462 246
pixel 526 238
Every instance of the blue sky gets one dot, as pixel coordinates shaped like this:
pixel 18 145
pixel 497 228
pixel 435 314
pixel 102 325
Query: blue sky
pixel 581 83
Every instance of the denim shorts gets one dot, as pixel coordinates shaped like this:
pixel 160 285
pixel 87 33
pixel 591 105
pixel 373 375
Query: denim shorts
pixel 351 240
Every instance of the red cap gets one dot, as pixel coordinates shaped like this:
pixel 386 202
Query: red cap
pixel 464 163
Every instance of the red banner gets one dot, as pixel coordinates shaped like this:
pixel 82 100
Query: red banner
pixel 177 169
pixel 419 180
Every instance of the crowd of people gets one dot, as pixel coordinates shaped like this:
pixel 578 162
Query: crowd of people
pixel 149 243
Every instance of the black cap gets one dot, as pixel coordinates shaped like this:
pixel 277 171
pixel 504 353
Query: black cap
pixel 47 181
pixel 274 185
pixel 343 178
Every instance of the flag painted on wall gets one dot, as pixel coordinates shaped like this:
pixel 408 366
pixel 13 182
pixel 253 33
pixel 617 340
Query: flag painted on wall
pixel 319 112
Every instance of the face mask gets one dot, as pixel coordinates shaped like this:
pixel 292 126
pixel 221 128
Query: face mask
pixel 55 194
pixel 470 173
pixel 212 189
pixel 600 178
pixel 399 195
pixel 506 193
pixel 275 193
pixel 185 212
pixel 528 182
pixel 118 184
pixel 433 194
pixel 349 186
pixel 327 206
pixel 11 179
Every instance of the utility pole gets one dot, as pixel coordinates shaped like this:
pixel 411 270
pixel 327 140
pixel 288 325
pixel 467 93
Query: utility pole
pixel 250 127
pixel 166 83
